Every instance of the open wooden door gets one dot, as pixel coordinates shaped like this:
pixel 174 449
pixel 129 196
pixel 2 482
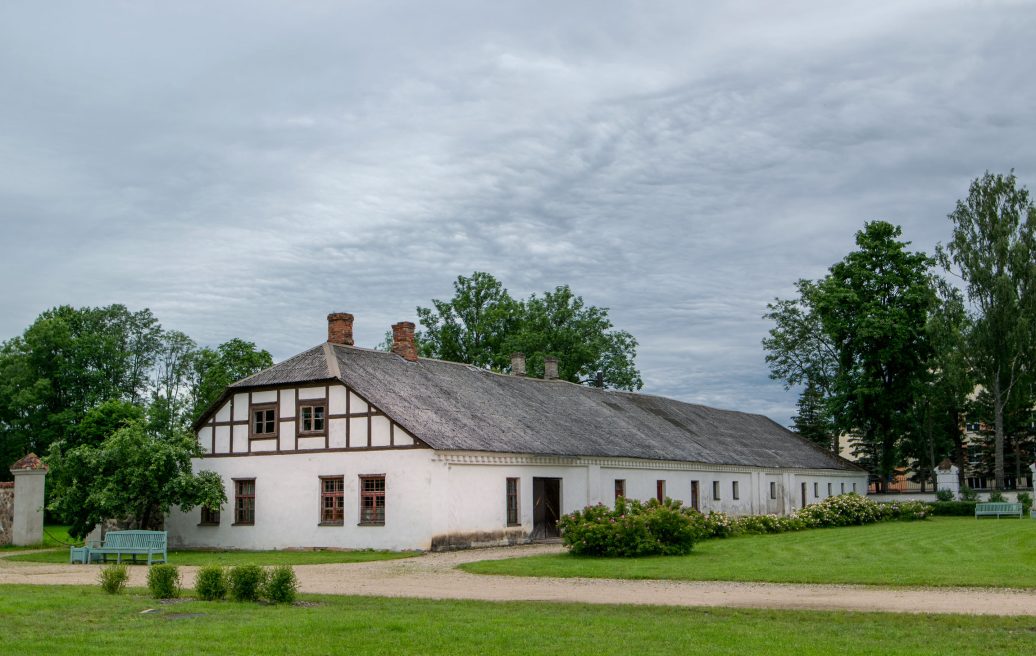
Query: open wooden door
pixel 546 508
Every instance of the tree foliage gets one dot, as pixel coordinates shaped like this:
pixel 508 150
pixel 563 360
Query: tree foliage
pixel 482 324
pixel 874 305
pixel 133 474
pixel 212 370
pixel 993 251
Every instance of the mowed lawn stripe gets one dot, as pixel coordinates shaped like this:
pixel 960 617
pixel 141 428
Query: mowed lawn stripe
pixel 82 621
pixel 943 551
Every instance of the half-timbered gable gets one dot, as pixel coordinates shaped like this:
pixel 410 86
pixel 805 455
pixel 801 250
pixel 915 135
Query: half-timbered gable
pixel 344 447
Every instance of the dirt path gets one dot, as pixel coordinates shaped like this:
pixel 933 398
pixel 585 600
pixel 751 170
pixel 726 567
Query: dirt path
pixel 434 576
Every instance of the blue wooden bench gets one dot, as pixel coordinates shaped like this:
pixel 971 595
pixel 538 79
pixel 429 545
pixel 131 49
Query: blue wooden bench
pixel 129 543
pixel 997 509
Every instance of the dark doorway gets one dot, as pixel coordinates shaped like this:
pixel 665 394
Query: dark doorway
pixel 546 508
pixel 695 496
pixel 803 495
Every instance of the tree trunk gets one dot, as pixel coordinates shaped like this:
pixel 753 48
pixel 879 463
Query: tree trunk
pixel 998 444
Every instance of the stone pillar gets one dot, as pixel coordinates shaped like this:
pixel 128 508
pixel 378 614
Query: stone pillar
pixel 29 475
pixel 946 477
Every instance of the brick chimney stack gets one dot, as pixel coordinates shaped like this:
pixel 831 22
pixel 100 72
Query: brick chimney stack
pixel 340 328
pixel 403 340
pixel 550 368
pixel 517 364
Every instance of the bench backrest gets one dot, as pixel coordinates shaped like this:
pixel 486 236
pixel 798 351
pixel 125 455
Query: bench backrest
pixel 135 540
pixel 997 507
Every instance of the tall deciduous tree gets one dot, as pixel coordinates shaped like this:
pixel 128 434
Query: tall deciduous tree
pixel 874 305
pixel 993 250
pixel 483 325
pixel 800 352
pixel 212 370
pixel 471 326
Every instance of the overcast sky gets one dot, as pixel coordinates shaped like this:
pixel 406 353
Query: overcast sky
pixel 245 168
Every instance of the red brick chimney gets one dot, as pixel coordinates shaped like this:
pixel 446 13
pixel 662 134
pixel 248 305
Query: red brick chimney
pixel 340 328
pixel 403 340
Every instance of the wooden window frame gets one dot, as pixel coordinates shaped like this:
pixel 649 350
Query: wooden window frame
pixel 209 517
pixel 715 491
pixel 773 489
pixel 696 495
pixel 620 488
pixel 512 501
pixel 660 490
pixel 735 490
pixel 310 403
pixel 238 497
pixel 333 495
pixel 262 407
pixel 373 494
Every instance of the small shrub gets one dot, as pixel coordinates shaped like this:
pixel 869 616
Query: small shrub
pixel 996 496
pixel 1025 499
pixel 246 582
pixel 282 586
pixel 967 494
pixel 113 578
pixel 163 581
pixel 944 495
pixel 211 584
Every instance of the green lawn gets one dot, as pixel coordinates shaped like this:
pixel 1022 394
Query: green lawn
pixel 240 557
pixel 54 535
pixel 943 551
pixel 82 621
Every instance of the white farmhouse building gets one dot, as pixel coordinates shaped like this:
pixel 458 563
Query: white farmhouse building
pixel 343 447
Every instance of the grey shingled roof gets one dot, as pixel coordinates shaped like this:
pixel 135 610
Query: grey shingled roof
pixel 451 406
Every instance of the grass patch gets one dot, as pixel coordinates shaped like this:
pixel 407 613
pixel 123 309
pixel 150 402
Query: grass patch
pixel 83 621
pixel 202 558
pixel 54 535
pixel 943 551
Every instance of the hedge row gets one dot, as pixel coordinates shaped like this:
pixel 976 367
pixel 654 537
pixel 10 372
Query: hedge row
pixel 635 528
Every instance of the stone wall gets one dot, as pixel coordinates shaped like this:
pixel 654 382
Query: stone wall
pixel 6 512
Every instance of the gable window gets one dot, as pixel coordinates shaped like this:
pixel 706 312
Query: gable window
pixel 734 492
pixel 660 491
pixel 620 487
pixel 209 516
pixel 512 502
pixel 816 489
pixel 773 490
pixel 372 500
pixel 312 417
pixel 715 490
pixel 264 421
pixel 244 501
pixel 332 500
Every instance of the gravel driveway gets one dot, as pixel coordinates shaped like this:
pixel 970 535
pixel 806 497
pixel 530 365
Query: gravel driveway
pixel 434 576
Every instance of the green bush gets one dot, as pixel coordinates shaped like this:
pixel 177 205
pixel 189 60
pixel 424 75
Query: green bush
pixel 953 508
pixel 996 496
pixel 163 581
pixel 632 528
pixel 282 586
pixel 1025 499
pixel 211 584
pixel 967 494
pixel 246 582
pixel 944 495
pixel 113 578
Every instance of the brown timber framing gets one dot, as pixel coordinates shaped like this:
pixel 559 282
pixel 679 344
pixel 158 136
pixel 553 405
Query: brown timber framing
pixel 209 420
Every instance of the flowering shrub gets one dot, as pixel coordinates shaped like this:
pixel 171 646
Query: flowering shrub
pixel 640 529
pixel 633 528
